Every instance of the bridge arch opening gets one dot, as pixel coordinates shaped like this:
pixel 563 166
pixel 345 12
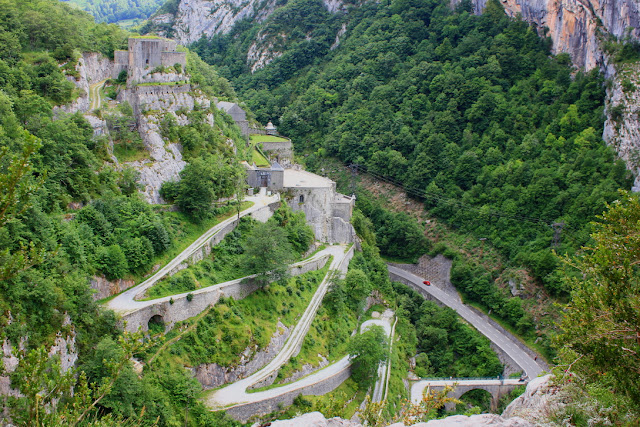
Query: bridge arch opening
pixel 476 397
pixel 156 324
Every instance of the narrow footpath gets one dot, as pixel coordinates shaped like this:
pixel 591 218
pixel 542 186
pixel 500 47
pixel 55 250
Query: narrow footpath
pixel 95 100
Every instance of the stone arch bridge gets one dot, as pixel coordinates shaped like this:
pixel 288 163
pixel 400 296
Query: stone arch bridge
pixel 496 387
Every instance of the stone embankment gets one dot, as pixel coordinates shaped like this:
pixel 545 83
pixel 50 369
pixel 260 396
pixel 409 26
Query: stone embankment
pixel 212 375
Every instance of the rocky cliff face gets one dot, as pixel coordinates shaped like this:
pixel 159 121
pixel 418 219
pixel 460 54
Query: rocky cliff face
pixel 580 28
pixel 150 105
pixel 577 26
pixel 197 18
pixel 622 127
pixel 212 375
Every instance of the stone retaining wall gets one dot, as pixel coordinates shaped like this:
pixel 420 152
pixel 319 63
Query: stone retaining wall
pixel 244 412
pixel 178 307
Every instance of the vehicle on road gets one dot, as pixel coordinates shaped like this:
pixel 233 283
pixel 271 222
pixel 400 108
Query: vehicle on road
pixel 426 282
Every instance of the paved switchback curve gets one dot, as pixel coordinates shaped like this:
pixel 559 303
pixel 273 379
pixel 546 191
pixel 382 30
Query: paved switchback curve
pixel 504 341
pixel 242 405
pixel 126 304
pixel 236 393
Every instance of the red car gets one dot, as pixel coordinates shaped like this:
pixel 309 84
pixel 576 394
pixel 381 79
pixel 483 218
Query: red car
pixel 426 282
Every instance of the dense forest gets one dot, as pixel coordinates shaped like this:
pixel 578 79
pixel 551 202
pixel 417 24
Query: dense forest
pixel 68 212
pixel 469 113
pixel 111 11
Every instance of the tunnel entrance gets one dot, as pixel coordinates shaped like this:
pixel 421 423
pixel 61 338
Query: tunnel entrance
pixel 156 324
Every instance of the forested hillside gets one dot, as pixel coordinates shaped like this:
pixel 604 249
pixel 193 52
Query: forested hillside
pixel 69 212
pixel 470 113
pixel 111 11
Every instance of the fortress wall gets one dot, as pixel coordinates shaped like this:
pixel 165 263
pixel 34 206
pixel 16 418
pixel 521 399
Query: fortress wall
pixel 316 207
pixel 343 209
pixel 163 89
pixel 169 59
pixel 179 308
pixel 121 60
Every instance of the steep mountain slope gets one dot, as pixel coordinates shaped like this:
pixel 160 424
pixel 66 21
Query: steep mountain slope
pixel 578 27
pixel 183 20
pixel 118 10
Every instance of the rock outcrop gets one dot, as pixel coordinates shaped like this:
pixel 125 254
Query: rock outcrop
pixel 197 18
pixel 577 27
pixel 580 28
pixel 92 68
pixel 316 419
pixel 535 403
pixel 212 375
pixel 622 127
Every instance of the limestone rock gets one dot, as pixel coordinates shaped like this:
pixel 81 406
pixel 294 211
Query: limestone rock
pixel 314 419
pixel 92 68
pixel 212 375
pixel 105 288
pixel 622 129
pixel 534 403
pixel 473 421
pixel 574 25
pixel 197 18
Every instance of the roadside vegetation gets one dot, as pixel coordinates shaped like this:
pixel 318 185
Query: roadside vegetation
pixel 251 248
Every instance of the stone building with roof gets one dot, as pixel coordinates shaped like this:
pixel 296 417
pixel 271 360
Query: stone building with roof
pixel 328 212
pixel 237 114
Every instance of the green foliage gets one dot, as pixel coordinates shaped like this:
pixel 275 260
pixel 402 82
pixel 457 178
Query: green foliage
pixel 223 333
pixel 446 346
pixel 203 181
pixel 397 234
pixel 470 113
pixel 295 226
pixel 599 339
pixel 52 25
pixel 367 350
pixel 118 10
pixel 267 252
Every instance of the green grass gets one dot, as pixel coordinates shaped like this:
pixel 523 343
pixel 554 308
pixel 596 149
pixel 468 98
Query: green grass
pixel 146 37
pixel 130 152
pixel 328 335
pixel 231 326
pixel 259 159
pixel 256 139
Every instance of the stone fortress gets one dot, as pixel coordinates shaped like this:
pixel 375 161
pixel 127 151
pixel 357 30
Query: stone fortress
pixel 145 54
pixel 328 212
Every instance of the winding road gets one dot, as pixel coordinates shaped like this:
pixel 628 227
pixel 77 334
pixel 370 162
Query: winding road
pixel 236 393
pixel 505 342
pixel 126 302
pixel 95 100
pixel 384 368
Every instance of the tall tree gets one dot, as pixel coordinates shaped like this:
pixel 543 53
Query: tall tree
pixel 600 339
